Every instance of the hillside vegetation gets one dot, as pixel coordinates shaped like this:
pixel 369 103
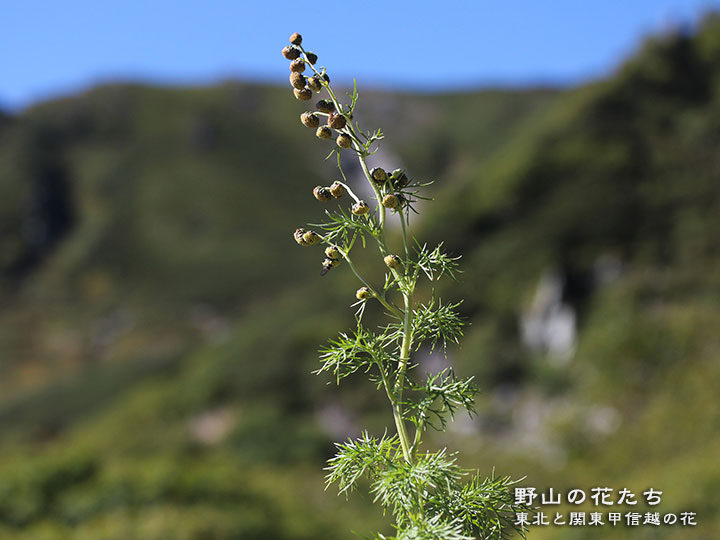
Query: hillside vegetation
pixel 159 326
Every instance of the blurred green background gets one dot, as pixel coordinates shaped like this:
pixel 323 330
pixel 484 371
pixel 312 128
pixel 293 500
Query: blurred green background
pixel 159 326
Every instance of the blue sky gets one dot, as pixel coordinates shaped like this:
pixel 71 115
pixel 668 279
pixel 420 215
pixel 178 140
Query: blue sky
pixel 52 48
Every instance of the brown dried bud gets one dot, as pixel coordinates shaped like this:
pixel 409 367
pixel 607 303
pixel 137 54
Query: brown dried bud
pixel 303 95
pixel 291 53
pixel 310 120
pixel 337 189
pixel 360 208
pixel 324 132
pixel 314 83
pixel 344 141
pixel 363 293
pixel 326 77
pixel 378 174
pixel 399 178
pixel 392 261
pixel 311 57
pixel 390 201
pixel 336 121
pixel 297 80
pixel 297 65
pixel 322 193
pixel 325 105
pixel 296 39
pixel 332 252
pixel 310 238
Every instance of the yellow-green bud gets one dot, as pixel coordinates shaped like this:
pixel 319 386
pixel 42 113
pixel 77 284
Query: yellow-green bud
pixel 310 120
pixel 324 132
pixel 336 121
pixel 322 193
pixel 291 53
pixel 360 208
pixel 390 201
pixel 392 261
pixel 297 65
pixel 297 80
pixel 344 141
pixel 303 95
pixel 310 238
pixel 296 39
pixel 314 83
pixel 325 105
pixel 332 252
pixel 363 293
pixel 327 264
pixel 378 174
pixel 337 189
pixel 298 235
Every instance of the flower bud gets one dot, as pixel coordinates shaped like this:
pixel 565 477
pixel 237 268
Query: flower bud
pixel 360 208
pixel 337 189
pixel 328 264
pixel 344 141
pixel 378 174
pixel 314 83
pixel 336 121
pixel 363 293
pixel 390 201
pixel 322 194
pixel 297 80
pixel 296 39
pixel 303 95
pixel 291 53
pixel 310 238
pixel 399 178
pixel 325 105
pixel 392 261
pixel 326 77
pixel 311 57
pixel 297 65
pixel 324 132
pixel 310 120
pixel 298 235
pixel 332 252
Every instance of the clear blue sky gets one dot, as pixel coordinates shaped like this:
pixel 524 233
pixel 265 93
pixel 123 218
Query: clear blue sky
pixel 50 48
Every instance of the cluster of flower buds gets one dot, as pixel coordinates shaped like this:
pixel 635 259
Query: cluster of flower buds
pixel 332 259
pixel 303 88
pixel 306 238
pixel 391 184
pixel 324 194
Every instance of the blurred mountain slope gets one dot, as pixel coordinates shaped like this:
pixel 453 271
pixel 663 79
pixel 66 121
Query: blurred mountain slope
pixel 159 325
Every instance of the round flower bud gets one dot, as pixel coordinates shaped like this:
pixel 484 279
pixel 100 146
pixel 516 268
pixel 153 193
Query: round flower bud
pixel 344 141
pixel 390 201
pixel 311 57
pixel 392 261
pixel 399 178
pixel 298 235
pixel 336 121
pixel 291 53
pixel 360 208
pixel 327 264
pixel 310 120
pixel 331 252
pixel 378 174
pixel 310 238
pixel 297 65
pixel 297 80
pixel 337 190
pixel 326 77
pixel 325 105
pixel 363 293
pixel 303 95
pixel 296 39
pixel 322 194
pixel 324 132
pixel 314 83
